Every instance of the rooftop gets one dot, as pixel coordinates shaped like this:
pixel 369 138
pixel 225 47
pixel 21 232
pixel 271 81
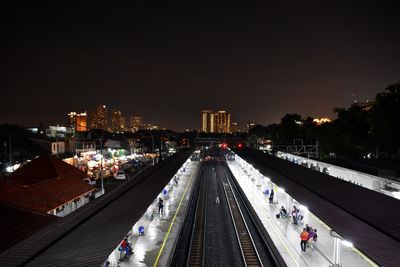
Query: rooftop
pixel 43 185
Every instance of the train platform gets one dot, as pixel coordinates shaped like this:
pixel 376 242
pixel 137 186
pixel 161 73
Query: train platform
pixel 326 251
pixel 161 229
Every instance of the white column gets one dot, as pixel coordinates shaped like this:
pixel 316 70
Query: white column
pixel 336 252
pixel 306 215
pixel 288 203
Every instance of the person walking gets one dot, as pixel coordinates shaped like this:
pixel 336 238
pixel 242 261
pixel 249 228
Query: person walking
pixel 160 205
pixel 304 239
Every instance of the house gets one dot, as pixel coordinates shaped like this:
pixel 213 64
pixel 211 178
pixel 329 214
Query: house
pixel 46 185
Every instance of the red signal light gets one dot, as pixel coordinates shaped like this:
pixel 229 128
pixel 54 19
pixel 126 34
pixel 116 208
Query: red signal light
pixel 240 145
pixel 224 145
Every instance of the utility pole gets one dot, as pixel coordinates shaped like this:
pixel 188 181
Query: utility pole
pixel 57 143
pixel 5 151
pixel 101 162
pixel 10 152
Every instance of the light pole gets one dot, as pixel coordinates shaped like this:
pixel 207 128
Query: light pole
pixel 10 152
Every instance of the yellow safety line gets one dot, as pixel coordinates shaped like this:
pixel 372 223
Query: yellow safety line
pixel 365 257
pixel 287 249
pixel 172 223
pixel 321 222
pixel 355 249
pixel 327 227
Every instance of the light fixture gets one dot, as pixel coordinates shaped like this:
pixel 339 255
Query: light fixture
pixel 347 243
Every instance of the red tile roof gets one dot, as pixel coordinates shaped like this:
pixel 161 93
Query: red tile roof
pixel 43 185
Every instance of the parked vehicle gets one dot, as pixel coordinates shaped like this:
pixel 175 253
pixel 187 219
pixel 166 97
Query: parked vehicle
pixel 120 175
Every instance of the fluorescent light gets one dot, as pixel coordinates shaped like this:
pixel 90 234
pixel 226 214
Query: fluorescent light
pixel 347 243
pixel 303 207
pixel 281 190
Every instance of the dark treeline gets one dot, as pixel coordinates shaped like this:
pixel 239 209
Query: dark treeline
pixel 359 130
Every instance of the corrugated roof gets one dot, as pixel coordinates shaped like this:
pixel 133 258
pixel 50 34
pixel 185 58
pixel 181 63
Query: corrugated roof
pixel 17 224
pixel 369 219
pixel 88 236
pixel 43 185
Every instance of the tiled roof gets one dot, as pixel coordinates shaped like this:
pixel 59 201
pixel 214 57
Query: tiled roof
pixel 19 224
pixel 42 169
pixel 43 185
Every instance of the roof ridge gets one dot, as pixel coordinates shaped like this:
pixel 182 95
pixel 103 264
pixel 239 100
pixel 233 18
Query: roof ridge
pixel 50 160
pixel 8 204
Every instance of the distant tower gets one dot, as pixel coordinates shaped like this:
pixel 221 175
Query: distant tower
pixel 207 123
pixel 78 121
pixel 215 122
pixel 98 119
pixel 136 123
pixel 234 127
pixel 250 126
pixel 117 121
pixel 222 121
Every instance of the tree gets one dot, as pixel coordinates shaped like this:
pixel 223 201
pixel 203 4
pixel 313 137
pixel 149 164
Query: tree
pixel 385 126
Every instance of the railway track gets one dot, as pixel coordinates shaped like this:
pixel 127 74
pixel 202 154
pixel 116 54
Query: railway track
pixel 248 249
pixel 220 229
pixel 197 244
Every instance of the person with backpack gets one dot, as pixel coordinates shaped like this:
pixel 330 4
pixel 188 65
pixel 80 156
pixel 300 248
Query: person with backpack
pixel 304 239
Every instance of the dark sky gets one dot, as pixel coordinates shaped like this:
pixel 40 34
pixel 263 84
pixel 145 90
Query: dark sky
pixel 167 62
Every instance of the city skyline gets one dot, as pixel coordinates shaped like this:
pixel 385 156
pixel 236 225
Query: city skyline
pixel 205 134
pixel 215 121
pixel 259 62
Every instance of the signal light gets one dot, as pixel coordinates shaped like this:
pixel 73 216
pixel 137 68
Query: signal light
pixel 240 145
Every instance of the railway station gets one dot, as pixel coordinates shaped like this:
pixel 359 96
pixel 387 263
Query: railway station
pixel 213 207
pixel 329 248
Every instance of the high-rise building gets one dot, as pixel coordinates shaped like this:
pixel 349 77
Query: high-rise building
pixel 136 123
pixel 152 127
pixel 117 121
pixel 78 121
pixel 234 127
pixel 222 121
pixel 123 123
pixel 207 121
pixel 98 119
pixel 215 122
pixel 250 126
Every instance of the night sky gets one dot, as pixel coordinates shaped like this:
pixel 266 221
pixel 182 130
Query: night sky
pixel 167 62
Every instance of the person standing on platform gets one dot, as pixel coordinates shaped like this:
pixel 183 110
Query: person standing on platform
pixel 304 239
pixel 271 196
pixel 295 213
pixel 160 205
